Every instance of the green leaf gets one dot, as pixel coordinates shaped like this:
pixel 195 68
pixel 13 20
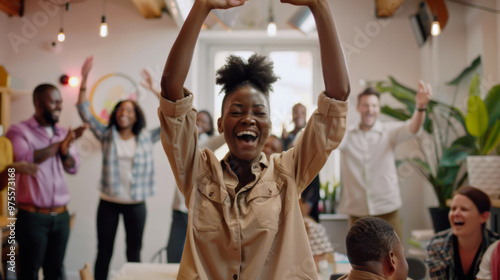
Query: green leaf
pixel 453 156
pixel 474 65
pixel 476 120
pixel 492 139
pixel 400 92
pixel 410 93
pixel 399 114
pixel 492 101
pixel 475 84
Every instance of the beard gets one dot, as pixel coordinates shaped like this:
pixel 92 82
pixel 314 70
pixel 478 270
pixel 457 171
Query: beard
pixel 50 118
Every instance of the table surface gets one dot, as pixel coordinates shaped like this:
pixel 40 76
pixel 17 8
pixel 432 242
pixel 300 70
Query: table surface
pixel 168 271
pixel 149 271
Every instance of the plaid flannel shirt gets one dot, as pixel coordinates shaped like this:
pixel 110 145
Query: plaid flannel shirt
pixel 143 183
pixel 440 254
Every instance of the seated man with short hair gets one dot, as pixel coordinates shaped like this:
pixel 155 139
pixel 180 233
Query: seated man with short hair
pixel 375 251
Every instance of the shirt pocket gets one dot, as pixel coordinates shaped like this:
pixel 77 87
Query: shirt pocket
pixel 265 202
pixel 207 206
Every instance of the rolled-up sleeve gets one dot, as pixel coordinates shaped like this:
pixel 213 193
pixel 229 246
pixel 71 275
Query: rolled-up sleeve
pixel 179 139
pixel 23 151
pixel 323 133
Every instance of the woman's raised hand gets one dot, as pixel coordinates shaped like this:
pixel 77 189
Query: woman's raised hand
pixel 87 66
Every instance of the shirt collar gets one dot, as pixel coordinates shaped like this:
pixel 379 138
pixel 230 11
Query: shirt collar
pixel 33 123
pixel 262 163
pixel 377 127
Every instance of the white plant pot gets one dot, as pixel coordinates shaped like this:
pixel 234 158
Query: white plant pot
pixel 484 174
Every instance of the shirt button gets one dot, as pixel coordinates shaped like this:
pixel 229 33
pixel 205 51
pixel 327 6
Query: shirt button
pixel 211 194
pixel 235 277
pixel 270 192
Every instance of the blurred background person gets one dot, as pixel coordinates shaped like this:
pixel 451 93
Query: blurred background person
pixel 127 177
pixel 43 221
pixel 368 166
pixel 456 253
pixel 490 264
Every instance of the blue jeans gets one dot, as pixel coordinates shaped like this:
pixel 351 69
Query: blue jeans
pixel 42 242
pixel 177 236
pixel 108 214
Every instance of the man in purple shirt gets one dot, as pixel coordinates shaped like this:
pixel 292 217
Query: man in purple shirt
pixel 42 227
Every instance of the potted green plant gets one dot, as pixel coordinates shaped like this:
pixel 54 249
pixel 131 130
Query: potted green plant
pixel 482 122
pixel 328 196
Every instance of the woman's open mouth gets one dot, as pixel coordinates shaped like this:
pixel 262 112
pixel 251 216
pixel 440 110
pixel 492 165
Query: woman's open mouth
pixel 247 137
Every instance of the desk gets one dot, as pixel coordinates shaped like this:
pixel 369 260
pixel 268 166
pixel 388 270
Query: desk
pixel 149 271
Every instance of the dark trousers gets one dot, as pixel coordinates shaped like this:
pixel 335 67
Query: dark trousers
pixel 42 242
pixel 177 236
pixel 108 214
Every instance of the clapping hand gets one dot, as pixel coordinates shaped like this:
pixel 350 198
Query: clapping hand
pixel 72 135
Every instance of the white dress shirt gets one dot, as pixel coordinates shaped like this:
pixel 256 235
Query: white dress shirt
pixel 368 169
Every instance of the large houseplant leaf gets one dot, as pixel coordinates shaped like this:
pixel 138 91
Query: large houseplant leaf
pixel 476 119
pixel 399 114
pixel 492 138
pixel 474 65
pixel 492 102
pixel 458 151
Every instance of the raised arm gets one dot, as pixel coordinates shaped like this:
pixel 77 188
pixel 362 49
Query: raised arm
pixel 147 83
pixel 83 106
pixel 87 66
pixel 422 98
pixel 335 75
pixel 181 53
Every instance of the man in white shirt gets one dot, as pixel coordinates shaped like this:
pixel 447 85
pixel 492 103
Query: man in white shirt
pixel 368 171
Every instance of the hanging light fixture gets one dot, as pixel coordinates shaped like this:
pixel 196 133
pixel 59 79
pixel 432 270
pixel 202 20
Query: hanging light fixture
pixel 61 37
pixel 271 25
pixel 435 27
pixel 103 30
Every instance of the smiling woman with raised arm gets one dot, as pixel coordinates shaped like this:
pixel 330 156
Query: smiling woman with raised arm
pixel 244 214
pixel 128 175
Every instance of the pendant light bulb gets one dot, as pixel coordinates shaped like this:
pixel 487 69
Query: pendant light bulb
pixel 103 31
pixel 271 29
pixel 435 27
pixel 61 36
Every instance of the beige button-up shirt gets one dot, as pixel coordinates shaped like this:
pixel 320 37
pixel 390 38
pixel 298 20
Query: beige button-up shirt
pixel 257 233
pixel 368 168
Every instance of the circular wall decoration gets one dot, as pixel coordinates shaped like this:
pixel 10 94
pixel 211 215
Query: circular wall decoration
pixel 107 91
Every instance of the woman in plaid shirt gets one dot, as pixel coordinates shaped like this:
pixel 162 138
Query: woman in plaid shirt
pixel 456 253
pixel 127 177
